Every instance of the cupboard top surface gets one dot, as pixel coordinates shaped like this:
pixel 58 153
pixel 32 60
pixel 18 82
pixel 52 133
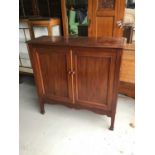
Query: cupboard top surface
pixel 103 42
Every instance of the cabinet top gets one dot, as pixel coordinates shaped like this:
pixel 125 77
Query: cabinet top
pixel 103 42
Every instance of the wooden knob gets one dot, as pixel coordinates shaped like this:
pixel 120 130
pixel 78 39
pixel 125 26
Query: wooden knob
pixel 73 72
pixel 69 72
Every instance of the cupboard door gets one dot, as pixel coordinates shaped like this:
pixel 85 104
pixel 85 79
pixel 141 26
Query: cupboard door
pixel 54 64
pixel 106 17
pixel 94 76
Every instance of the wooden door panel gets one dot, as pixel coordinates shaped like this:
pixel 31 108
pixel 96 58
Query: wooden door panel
pixel 104 15
pixel 90 73
pixel 54 77
pixel 54 65
pixel 106 4
pixel 104 26
pixel 92 77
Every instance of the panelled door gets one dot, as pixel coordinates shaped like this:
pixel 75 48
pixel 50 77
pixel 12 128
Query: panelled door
pixel 106 17
pixel 54 65
pixel 94 76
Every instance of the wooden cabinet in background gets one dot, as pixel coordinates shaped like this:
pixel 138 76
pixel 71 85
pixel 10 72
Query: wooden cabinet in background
pixel 127 71
pixel 106 17
pixel 78 72
pixel 39 8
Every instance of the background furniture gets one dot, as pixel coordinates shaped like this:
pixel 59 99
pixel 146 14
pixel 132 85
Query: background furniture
pixel 79 72
pixel 129 25
pixel 74 12
pixel 39 8
pixel 33 28
pixel 130 4
pixel 47 27
pixel 82 30
pixel 127 71
pixel 103 16
pixel 127 74
pixel 24 35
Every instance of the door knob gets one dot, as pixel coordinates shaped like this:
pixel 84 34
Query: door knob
pixel 69 72
pixel 73 72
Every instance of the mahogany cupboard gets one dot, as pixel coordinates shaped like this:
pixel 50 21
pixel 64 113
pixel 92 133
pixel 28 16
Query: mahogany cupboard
pixel 78 72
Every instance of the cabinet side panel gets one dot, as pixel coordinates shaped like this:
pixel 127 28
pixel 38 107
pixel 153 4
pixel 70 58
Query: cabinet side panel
pixel 36 70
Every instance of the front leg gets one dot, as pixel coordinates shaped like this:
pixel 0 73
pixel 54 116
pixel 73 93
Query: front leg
pixel 112 120
pixel 112 123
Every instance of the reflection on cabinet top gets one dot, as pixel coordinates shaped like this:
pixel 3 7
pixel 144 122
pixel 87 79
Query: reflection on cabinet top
pixel 106 42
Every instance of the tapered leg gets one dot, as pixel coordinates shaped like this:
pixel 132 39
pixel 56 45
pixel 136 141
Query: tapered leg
pixel 112 123
pixel 42 109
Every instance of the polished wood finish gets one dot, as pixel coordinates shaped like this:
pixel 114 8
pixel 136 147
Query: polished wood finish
pixel 78 72
pixel 100 42
pixel 56 79
pixel 92 76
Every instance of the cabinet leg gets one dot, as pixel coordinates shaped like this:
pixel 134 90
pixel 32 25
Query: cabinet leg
pixel 112 123
pixel 42 109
